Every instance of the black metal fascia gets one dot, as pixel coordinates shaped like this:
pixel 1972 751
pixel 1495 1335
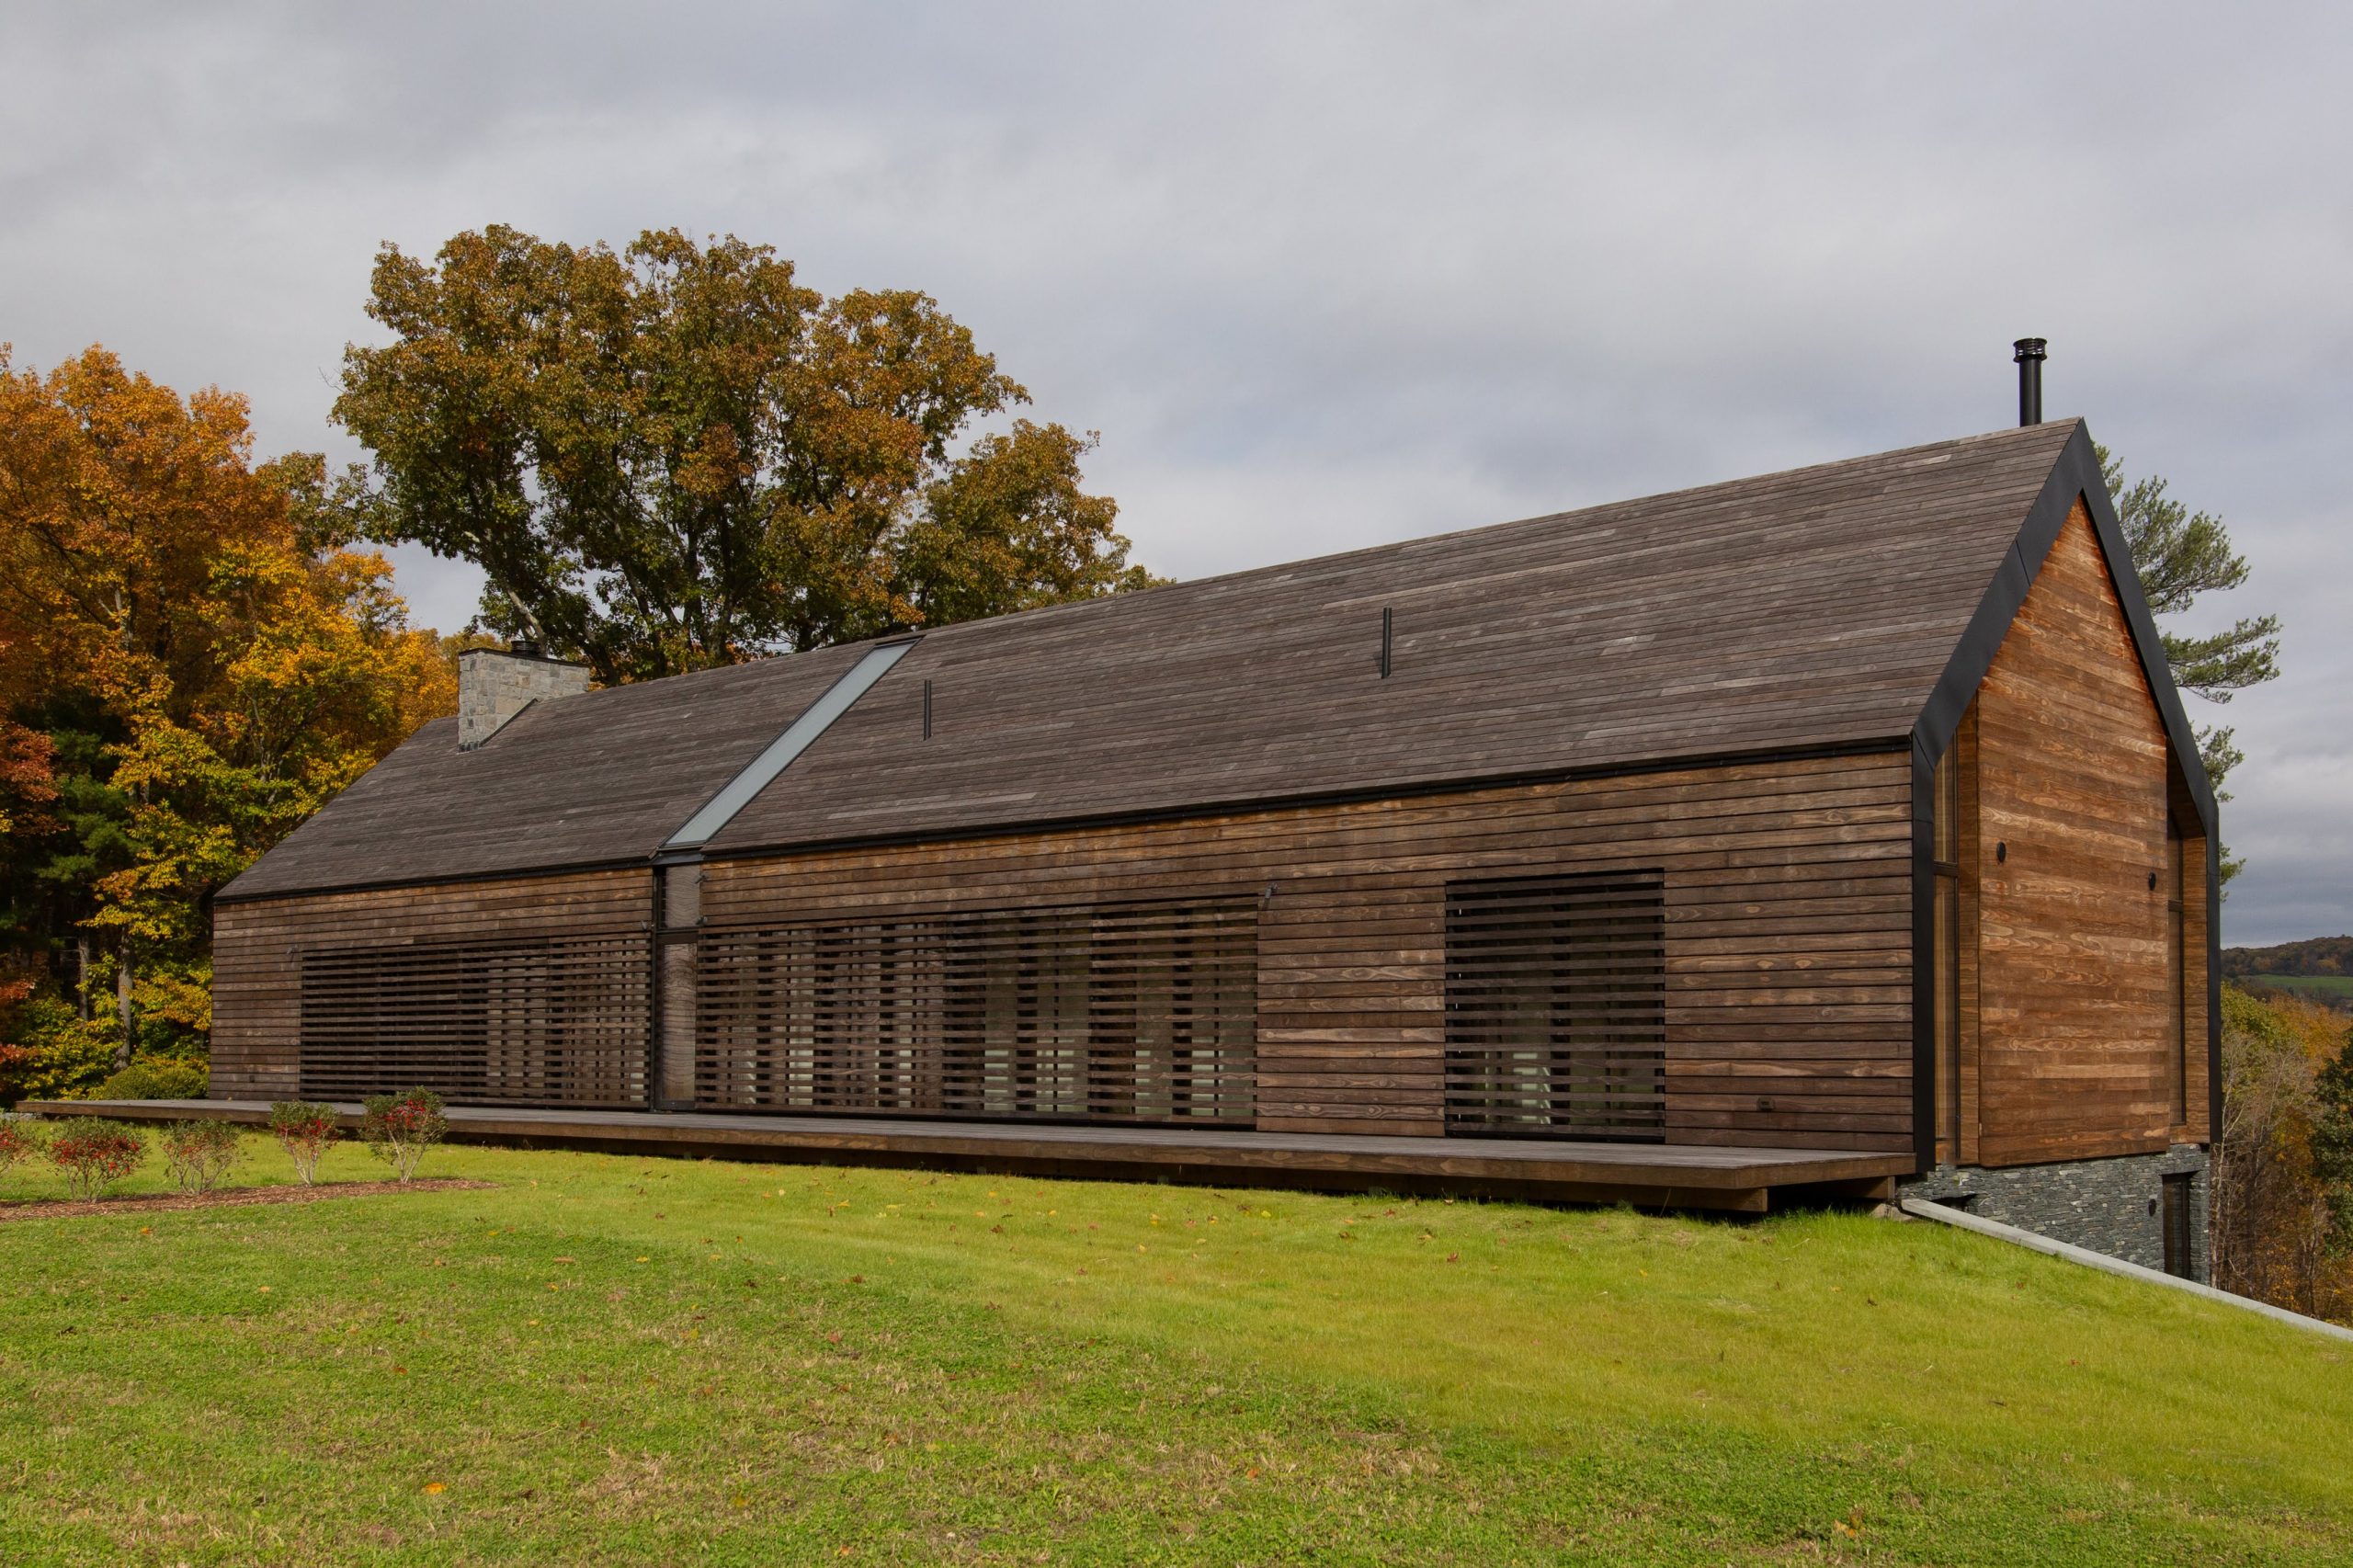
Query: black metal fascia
pixel 1924 956
pixel 449 879
pixel 2075 476
pixel 2213 988
pixel 661 934
pixel 1419 789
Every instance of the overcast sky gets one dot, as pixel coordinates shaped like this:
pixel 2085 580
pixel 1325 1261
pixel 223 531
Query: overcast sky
pixel 1321 275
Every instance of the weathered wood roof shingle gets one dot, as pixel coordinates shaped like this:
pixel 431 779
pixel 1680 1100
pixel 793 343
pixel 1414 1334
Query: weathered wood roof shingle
pixel 1815 608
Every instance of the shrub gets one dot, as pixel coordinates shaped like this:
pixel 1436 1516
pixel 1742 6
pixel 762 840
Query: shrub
pixel 95 1154
pixel 400 1128
pixel 304 1130
pixel 155 1079
pixel 197 1154
pixel 16 1064
pixel 18 1140
pixel 54 1053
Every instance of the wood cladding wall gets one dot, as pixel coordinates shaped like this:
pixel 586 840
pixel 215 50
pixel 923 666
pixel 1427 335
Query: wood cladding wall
pixel 259 948
pixel 2073 994
pixel 1788 911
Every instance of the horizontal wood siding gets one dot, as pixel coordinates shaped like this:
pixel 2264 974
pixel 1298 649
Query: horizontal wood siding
pixel 2198 943
pixel 1788 919
pixel 259 948
pixel 2073 1049
pixel 1110 1012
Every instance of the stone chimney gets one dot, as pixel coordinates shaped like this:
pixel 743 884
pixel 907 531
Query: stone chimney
pixel 496 684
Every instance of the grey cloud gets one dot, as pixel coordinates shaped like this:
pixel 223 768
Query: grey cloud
pixel 1323 275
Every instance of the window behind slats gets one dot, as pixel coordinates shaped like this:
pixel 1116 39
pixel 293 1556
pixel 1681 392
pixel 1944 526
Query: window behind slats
pixel 1131 1013
pixel 555 1021
pixel 1556 1005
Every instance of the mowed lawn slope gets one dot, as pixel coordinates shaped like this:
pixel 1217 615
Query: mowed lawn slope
pixel 613 1359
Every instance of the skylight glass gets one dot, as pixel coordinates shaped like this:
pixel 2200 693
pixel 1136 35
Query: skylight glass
pixel 797 737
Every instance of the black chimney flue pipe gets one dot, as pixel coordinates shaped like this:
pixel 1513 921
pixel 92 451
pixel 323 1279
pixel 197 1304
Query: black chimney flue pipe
pixel 2029 353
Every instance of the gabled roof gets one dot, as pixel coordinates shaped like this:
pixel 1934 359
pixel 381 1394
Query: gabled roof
pixel 595 779
pixel 1816 609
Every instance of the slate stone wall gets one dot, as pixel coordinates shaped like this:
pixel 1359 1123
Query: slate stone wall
pixel 2113 1206
pixel 494 686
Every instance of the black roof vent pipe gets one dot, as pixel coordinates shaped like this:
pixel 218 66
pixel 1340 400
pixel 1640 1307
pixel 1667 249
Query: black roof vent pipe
pixel 2029 355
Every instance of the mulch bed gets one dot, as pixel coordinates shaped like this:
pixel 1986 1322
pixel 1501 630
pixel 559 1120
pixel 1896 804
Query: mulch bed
pixel 231 1197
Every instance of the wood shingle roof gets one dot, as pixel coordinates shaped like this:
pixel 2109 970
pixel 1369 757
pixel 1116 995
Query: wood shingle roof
pixel 1810 608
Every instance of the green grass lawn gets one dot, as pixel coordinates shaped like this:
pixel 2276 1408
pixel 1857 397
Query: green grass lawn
pixel 614 1360
pixel 2322 986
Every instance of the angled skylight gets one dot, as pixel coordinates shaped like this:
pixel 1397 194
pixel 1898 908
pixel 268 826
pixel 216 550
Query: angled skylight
pixel 797 737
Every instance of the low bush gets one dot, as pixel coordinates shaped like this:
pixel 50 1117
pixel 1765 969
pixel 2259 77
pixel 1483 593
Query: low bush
pixel 52 1055
pixel 400 1128
pixel 197 1154
pixel 18 1140
pixel 303 1130
pixel 16 1063
pixel 95 1154
pixel 155 1079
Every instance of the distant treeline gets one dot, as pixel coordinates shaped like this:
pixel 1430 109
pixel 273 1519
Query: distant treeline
pixel 2319 971
pixel 2320 955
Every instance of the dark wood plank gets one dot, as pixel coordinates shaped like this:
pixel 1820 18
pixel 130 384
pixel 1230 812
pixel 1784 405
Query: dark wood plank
pixel 1650 1175
pixel 2072 1019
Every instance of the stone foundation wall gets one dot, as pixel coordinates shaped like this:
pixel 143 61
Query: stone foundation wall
pixel 2113 1206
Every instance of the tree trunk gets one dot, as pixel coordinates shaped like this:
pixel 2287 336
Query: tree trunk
pixel 122 1004
pixel 82 974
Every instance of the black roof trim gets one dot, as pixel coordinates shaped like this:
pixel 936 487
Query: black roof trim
pixel 2075 476
pixel 389 884
pixel 1891 746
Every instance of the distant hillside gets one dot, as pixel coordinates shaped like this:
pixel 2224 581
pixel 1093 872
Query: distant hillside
pixel 2320 969
pixel 2320 955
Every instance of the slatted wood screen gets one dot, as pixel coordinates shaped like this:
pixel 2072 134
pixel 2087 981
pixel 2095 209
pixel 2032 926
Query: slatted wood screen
pixel 1556 1007
pixel 553 1021
pixel 1130 1013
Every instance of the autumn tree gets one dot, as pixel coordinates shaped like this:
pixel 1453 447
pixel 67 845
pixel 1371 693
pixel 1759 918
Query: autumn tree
pixel 2180 556
pixel 2283 1168
pixel 676 456
pixel 189 665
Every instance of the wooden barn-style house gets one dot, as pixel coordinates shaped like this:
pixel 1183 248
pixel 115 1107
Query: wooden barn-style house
pixel 1838 830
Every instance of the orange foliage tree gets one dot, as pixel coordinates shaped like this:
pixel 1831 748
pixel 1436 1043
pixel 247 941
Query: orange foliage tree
pixel 2283 1171
pixel 192 660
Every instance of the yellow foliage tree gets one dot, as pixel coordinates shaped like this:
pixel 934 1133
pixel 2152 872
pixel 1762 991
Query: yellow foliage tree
pixel 195 665
pixel 2279 1206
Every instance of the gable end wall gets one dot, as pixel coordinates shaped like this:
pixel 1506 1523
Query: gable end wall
pixel 2073 1015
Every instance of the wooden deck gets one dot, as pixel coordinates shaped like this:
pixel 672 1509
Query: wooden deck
pixel 1647 1175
